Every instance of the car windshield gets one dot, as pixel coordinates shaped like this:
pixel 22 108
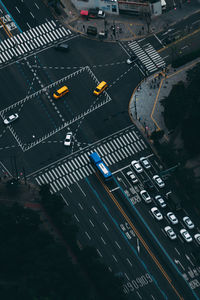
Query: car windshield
pixel 146 194
pixel 188 221
pixel 173 217
pixel 186 234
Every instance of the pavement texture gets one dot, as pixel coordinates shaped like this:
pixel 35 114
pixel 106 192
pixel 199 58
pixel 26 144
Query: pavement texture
pixel 128 27
pixel 145 106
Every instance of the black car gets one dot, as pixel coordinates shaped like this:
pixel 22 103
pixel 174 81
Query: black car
pixel 62 47
pixel 149 185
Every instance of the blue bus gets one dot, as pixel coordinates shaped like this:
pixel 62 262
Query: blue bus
pixel 100 166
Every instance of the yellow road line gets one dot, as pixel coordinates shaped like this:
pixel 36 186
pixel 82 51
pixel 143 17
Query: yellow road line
pixel 140 238
pixel 5 28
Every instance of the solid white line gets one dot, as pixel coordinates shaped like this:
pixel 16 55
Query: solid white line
pixel 81 189
pixel 99 253
pixel 88 235
pixel 17 9
pixel 94 209
pixel 32 15
pixel 105 226
pixel 76 218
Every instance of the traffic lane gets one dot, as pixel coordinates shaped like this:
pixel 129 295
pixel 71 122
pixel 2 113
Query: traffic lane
pixel 21 14
pixel 39 10
pixel 153 245
pixel 145 258
pixel 91 231
pixel 144 210
pixel 13 85
pixel 114 251
pixel 126 235
pixel 91 53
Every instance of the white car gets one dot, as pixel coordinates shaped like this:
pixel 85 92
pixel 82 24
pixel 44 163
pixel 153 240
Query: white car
pixel 170 232
pixel 131 59
pixel 11 119
pixel 173 219
pixel 68 139
pixel 132 176
pixel 160 201
pixel 135 164
pixel 156 213
pixel 145 196
pixel 188 222
pixel 197 238
pixel 158 181
pixel 144 161
pixel 185 234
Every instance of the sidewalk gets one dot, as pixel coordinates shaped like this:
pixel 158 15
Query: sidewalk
pixel 145 108
pixel 128 27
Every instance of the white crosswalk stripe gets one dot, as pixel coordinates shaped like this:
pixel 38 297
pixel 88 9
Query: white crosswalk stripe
pixel 64 174
pixel 34 38
pixel 148 56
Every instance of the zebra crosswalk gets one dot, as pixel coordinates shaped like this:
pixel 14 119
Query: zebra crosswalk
pixel 148 56
pixel 26 42
pixel 78 167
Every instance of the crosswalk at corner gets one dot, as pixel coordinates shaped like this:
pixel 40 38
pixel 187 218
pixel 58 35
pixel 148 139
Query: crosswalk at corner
pixel 75 168
pixel 32 40
pixel 148 56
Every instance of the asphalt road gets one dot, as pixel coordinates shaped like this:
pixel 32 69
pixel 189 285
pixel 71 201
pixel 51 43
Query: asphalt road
pixel 126 235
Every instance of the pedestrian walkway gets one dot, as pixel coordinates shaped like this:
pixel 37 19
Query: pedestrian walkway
pixel 113 150
pixel 32 40
pixel 148 56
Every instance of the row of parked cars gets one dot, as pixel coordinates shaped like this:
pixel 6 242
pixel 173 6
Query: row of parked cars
pixel 139 166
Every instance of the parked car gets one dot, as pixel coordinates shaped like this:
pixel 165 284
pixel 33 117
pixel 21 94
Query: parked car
pixel 160 201
pixel 173 219
pixel 197 238
pixel 149 185
pixel 156 213
pixel 145 196
pixel 170 232
pixel 135 164
pixel 11 119
pixel 68 139
pixel 144 161
pixel 188 222
pixel 132 176
pixel 158 181
pixel 185 234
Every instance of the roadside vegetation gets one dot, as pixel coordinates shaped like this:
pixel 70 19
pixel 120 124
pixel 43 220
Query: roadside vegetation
pixel 181 116
pixel 36 263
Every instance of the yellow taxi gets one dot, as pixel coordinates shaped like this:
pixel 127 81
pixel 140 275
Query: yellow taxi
pixel 100 88
pixel 61 92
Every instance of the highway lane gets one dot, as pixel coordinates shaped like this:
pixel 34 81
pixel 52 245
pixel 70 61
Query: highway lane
pixel 112 245
pixel 33 13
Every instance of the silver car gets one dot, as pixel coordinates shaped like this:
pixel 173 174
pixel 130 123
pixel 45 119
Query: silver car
pixel 132 176
pixel 185 234
pixel 197 238
pixel 160 201
pixel 156 213
pixel 145 196
pixel 158 181
pixel 173 219
pixel 144 161
pixel 11 119
pixel 170 232
pixel 68 139
pixel 188 222
pixel 135 164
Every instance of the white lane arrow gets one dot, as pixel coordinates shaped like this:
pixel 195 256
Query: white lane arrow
pixel 188 258
pixel 178 263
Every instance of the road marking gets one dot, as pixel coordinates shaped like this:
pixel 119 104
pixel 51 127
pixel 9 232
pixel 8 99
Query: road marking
pixel 129 262
pixel 91 222
pixel 103 240
pixel 99 253
pixel 114 258
pixel 76 218
pixel 117 244
pixel 88 235
pixel 105 226
pixel 94 209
